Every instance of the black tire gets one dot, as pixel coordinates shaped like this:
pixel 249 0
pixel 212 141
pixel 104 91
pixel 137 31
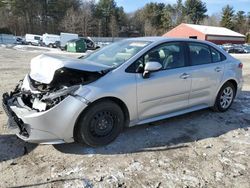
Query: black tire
pixel 218 107
pixel 100 124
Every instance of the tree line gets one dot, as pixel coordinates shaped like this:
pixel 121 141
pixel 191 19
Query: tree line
pixel 104 18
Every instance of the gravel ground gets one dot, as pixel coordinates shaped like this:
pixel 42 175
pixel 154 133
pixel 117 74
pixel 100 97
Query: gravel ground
pixel 199 149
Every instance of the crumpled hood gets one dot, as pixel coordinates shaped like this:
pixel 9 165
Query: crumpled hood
pixel 43 66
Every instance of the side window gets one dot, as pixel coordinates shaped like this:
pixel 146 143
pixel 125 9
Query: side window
pixel 170 55
pixel 217 56
pixel 199 54
pixel 37 38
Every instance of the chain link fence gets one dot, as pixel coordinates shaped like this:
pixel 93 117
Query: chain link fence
pixel 7 39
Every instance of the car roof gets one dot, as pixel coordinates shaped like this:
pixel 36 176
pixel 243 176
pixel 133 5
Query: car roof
pixel 159 40
pixel 166 39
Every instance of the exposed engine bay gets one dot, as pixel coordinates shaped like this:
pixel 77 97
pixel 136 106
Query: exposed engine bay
pixel 52 79
pixel 41 97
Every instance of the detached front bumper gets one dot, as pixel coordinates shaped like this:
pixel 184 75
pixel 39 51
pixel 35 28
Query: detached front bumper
pixel 53 126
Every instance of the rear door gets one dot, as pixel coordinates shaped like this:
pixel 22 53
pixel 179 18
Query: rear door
pixel 206 67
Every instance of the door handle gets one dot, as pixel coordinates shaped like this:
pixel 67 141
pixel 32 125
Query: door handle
pixel 185 76
pixel 218 69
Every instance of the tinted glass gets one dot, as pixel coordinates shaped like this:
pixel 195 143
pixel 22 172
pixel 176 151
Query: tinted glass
pixel 199 54
pixel 170 55
pixel 37 38
pixel 216 56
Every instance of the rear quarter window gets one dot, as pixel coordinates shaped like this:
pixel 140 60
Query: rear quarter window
pixel 217 56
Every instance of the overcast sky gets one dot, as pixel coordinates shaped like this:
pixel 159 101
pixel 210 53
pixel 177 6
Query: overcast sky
pixel 213 6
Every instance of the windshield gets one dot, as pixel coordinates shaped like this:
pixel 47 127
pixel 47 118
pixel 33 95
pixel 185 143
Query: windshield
pixel 117 53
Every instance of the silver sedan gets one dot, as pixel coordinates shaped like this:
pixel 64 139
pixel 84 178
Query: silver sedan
pixel 130 82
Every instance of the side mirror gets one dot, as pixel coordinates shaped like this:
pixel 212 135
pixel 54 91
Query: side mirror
pixel 151 66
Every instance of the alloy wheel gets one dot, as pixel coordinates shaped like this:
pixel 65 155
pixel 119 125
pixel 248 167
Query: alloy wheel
pixel 226 97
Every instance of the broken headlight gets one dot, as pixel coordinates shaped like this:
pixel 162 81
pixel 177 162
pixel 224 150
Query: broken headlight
pixel 61 92
pixel 51 99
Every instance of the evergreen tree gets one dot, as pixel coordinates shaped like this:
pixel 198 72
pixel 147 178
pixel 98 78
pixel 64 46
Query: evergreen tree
pixel 195 11
pixel 166 19
pixel 227 17
pixel 241 22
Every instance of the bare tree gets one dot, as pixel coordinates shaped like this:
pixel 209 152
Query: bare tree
pixel 86 19
pixel 213 20
pixel 149 29
pixel 114 27
pixel 70 22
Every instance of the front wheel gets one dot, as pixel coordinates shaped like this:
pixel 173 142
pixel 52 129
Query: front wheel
pixel 225 97
pixel 100 124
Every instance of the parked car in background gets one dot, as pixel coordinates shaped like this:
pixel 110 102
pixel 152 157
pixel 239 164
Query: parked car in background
pixel 103 44
pixel 50 40
pixel 130 82
pixel 57 44
pixel 247 49
pixel 20 40
pixel 91 45
pixel 65 37
pixel 32 39
pixel 236 50
pixel 228 45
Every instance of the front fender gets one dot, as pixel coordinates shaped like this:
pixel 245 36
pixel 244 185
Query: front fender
pixel 125 95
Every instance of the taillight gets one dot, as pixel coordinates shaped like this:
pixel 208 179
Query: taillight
pixel 240 65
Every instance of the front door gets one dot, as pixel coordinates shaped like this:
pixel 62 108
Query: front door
pixel 166 90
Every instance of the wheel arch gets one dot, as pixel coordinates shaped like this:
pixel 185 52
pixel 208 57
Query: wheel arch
pixel 231 80
pixel 116 100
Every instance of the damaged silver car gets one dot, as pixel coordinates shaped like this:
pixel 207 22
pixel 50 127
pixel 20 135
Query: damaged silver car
pixel 134 81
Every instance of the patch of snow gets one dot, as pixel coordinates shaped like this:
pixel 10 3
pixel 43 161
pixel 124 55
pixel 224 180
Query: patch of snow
pixel 135 166
pixel 219 176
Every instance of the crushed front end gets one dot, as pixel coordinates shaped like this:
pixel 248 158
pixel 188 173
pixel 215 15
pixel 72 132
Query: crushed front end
pixel 43 117
pixel 43 110
pixel 14 122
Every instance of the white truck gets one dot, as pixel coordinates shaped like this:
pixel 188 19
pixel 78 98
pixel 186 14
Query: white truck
pixel 33 39
pixel 65 37
pixel 50 40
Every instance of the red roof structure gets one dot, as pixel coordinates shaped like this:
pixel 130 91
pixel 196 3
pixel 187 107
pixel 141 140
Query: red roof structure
pixel 217 35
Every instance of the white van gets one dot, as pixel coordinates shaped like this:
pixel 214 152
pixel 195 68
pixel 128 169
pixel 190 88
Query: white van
pixel 50 40
pixel 33 39
pixel 65 37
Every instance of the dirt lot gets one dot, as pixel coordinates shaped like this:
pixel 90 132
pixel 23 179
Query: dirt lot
pixel 200 149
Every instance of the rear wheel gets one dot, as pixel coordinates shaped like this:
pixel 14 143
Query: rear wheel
pixel 225 97
pixel 100 124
